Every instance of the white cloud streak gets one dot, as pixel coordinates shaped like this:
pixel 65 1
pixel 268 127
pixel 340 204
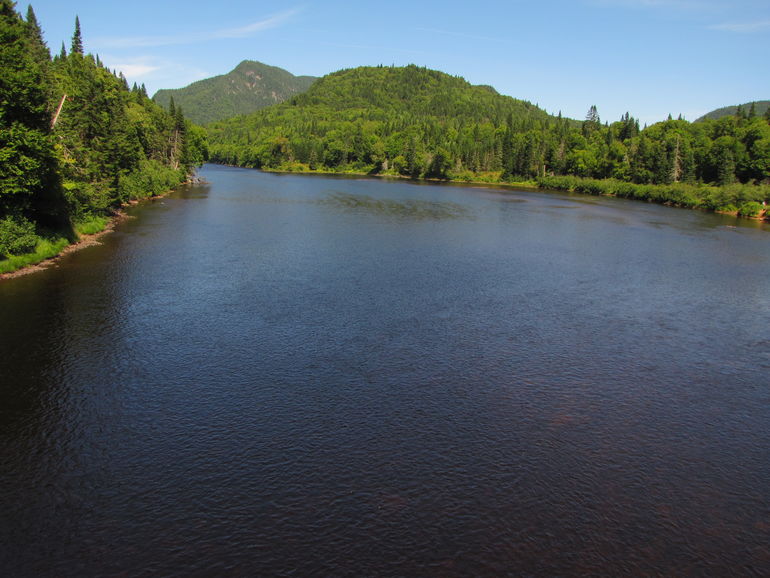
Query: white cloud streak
pixel 135 69
pixel 196 37
pixel 743 27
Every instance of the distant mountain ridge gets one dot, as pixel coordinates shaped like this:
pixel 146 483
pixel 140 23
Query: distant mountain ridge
pixel 760 108
pixel 393 120
pixel 249 87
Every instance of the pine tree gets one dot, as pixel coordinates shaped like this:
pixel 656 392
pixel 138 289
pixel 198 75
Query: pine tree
pixel 28 182
pixel 77 40
pixel 43 55
pixel 752 111
pixel 592 121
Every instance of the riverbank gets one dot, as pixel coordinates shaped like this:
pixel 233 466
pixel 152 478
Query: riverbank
pixel 487 179
pixel 738 200
pixel 49 251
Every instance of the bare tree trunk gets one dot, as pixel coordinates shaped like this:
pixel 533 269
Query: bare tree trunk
pixel 58 111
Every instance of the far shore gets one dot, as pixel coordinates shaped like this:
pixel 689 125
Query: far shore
pixel 763 216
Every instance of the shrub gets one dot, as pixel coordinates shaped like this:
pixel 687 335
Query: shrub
pixel 17 236
pixel 750 209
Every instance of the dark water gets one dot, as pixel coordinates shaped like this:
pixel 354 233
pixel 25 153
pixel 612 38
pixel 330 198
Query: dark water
pixel 289 375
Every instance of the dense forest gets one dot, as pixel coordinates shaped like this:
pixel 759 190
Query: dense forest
pixel 416 122
pixel 75 142
pixel 249 87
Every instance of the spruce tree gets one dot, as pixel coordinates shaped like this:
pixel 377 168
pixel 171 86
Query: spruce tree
pixel 28 180
pixel 36 35
pixel 77 40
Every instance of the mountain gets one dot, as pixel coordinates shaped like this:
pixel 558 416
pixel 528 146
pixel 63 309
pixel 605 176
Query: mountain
pixel 409 120
pixel 420 123
pixel 249 87
pixel 760 108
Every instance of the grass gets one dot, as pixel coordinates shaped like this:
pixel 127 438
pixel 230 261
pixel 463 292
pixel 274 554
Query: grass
pixel 91 225
pixel 45 249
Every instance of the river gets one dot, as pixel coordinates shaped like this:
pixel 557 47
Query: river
pixel 299 375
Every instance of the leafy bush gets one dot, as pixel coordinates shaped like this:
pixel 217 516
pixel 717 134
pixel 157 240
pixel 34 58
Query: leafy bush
pixel 750 209
pixel 17 236
pixel 45 249
pixel 151 178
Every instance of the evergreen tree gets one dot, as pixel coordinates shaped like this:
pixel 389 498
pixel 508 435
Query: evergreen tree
pixel 592 121
pixel 77 40
pixel 40 48
pixel 28 181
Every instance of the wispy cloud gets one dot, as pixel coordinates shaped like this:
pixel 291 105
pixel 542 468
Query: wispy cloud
pixel 154 71
pixel 743 27
pixel 196 37
pixel 134 69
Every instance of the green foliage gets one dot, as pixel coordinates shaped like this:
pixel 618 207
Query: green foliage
pixel 91 225
pixel 722 199
pixel 249 87
pixel 45 249
pixel 760 107
pixel 77 39
pixel 416 122
pixel 108 145
pixel 151 179
pixel 750 209
pixel 17 236
pixel 406 121
pixel 27 159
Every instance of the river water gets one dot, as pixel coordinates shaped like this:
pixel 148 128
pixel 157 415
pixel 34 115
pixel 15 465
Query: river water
pixel 294 375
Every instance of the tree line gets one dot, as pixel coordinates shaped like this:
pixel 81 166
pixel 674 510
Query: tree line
pixel 75 140
pixel 420 123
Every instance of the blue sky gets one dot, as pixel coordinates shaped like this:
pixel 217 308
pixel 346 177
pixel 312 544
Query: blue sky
pixel 647 57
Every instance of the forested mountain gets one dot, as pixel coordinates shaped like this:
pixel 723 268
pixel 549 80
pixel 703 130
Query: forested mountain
pixel 75 141
pixel 407 120
pixel 422 123
pixel 249 87
pixel 748 110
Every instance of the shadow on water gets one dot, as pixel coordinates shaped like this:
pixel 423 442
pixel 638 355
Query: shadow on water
pixel 194 191
pixel 411 208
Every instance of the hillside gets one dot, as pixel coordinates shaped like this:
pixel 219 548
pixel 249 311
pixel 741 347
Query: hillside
pixel 75 143
pixel 760 109
pixel 421 123
pixel 249 87
pixel 410 120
